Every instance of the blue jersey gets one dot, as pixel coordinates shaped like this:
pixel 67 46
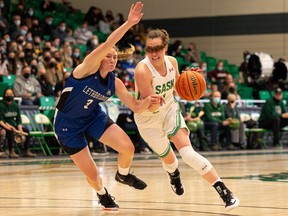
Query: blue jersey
pixel 78 111
pixel 80 97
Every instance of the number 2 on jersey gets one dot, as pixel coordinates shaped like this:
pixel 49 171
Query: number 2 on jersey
pixel 88 103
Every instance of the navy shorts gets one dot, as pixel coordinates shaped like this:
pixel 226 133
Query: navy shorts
pixel 70 132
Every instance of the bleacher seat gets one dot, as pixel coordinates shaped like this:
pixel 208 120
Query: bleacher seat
pixel 9 79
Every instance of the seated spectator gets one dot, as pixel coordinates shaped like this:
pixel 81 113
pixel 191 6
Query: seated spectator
pixel 76 57
pixel 10 121
pixel 82 34
pixel 69 37
pixel 274 116
pixel 60 32
pixel 47 26
pixel 28 17
pixel 237 134
pixel 218 75
pixel 216 122
pixel 201 141
pixel 193 55
pixel 66 56
pixel 27 87
pixel 3 66
pixel 48 6
pixel 92 44
pixel 14 28
pixel 4 24
pixel 12 63
pixel 53 75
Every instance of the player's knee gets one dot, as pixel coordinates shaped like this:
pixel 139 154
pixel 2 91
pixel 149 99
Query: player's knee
pixel 195 160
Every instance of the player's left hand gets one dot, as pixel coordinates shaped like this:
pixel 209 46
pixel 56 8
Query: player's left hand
pixel 197 69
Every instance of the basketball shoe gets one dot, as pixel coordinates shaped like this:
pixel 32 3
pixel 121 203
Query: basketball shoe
pixel 175 182
pixel 107 201
pixel 130 180
pixel 226 195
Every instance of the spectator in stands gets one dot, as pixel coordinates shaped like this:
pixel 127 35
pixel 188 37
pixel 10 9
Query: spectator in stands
pixel 29 52
pixel 66 55
pixel 43 61
pixel 92 44
pixel 109 16
pixel 119 20
pixel 46 86
pixel 36 29
pixel 129 65
pixel 76 57
pixel 193 55
pixel 60 32
pixel 193 117
pixel 48 6
pixel 226 85
pixel 4 24
pixel 175 49
pixel 219 74
pixel 55 44
pixel 3 66
pixel 14 28
pixel 28 17
pixel 10 120
pixel 34 69
pixel 37 45
pixel 3 8
pixel 27 87
pixel 12 64
pixel 53 75
pixel 69 37
pixel 47 26
pixel 82 34
pixel 243 70
pixel 104 25
pixel 237 134
pixel 274 116
pixel 216 122
pixel 92 17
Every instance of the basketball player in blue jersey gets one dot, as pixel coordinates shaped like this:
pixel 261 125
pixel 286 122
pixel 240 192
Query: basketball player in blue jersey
pixel 156 74
pixel 78 112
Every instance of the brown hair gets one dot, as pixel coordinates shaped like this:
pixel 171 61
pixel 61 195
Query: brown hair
pixel 162 33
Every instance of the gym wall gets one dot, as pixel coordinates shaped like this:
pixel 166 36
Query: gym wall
pixel 221 28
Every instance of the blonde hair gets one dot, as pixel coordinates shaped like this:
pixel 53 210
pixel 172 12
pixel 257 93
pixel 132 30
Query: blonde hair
pixel 125 53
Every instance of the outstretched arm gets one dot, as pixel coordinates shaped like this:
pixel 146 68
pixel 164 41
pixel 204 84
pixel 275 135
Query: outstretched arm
pixel 92 61
pixel 137 106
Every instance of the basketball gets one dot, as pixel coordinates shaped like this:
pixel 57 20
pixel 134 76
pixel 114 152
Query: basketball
pixel 190 85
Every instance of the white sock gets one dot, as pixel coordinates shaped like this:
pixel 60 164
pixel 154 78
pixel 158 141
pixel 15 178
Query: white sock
pixel 102 191
pixel 123 171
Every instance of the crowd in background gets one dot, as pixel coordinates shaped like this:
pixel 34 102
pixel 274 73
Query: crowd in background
pixel 42 52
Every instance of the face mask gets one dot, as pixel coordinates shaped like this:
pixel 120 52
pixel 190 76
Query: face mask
pixel 220 68
pixel 177 98
pixel 47 58
pixel 8 98
pixel 49 22
pixel 26 75
pixel 17 22
pixel 8 40
pixel 62 28
pixel 30 13
pixel 76 55
pixel 216 100
pixel 95 41
pixel 232 89
pixel 204 69
pixel 126 78
pixel 34 69
pixel 2 5
pixel 52 65
pixel 129 61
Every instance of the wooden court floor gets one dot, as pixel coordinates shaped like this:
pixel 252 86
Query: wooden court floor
pixel 53 186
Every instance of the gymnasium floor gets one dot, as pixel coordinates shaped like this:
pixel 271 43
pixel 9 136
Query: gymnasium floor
pixel 54 186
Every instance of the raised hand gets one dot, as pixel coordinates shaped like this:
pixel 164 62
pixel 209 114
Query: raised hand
pixel 135 13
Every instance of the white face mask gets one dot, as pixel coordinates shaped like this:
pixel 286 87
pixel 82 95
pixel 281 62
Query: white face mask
pixel 95 41
pixel 130 61
pixel 17 22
